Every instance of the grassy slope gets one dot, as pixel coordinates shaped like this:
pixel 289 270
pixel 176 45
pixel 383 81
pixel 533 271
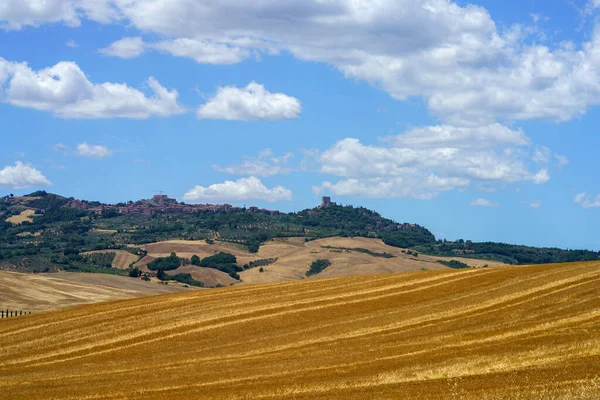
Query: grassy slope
pixel 42 292
pixel 295 256
pixel 515 332
pixel 122 258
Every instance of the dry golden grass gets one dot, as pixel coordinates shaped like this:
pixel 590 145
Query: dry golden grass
pixel 295 256
pixel 25 216
pixel 209 276
pixel 497 333
pixel 110 231
pixel 32 234
pixel 122 259
pixel 43 292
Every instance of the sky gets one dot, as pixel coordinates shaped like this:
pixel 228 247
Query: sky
pixel 477 120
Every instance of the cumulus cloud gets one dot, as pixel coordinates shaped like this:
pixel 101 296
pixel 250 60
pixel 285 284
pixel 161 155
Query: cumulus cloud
pixel 203 51
pixel 265 164
pixel 243 189
pixel 455 57
pixel 92 151
pixel 15 15
pixel 65 90
pixel 252 102
pixel 71 43
pixel 22 176
pixel 423 162
pixel 480 202
pixel 586 201
pixel 128 47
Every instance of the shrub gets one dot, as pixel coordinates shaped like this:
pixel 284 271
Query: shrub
pixel 262 262
pixel 225 262
pixel 187 279
pixel 261 269
pixel 454 264
pixel 135 272
pixel 165 263
pixel 161 275
pixel 317 267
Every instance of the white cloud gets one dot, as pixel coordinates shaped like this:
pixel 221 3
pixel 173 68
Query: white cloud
pixel 93 151
pixel 243 189
pixel 16 14
pixel 253 102
pixel 586 201
pixel 533 203
pixel 465 67
pixel 489 136
pixel 203 51
pixel 410 186
pixel 483 203
pixel 265 164
pixel 65 90
pixel 71 43
pixel 425 161
pixel 562 160
pixel 456 57
pixel 128 47
pixel 540 177
pixel 22 176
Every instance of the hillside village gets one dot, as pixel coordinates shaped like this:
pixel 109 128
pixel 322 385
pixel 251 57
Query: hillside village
pixel 159 203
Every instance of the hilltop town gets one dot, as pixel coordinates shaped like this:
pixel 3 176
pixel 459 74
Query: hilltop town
pixel 159 203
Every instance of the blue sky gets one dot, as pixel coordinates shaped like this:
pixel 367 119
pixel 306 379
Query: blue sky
pixel 475 119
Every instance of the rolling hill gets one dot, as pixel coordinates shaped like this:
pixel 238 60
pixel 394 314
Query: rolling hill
pixel 294 257
pixel 497 333
pixel 52 233
pixel 44 292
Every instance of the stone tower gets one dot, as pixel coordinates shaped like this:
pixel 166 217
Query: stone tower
pixel 325 201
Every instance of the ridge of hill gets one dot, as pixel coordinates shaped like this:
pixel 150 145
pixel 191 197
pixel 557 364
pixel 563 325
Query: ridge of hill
pixel 57 233
pixel 516 332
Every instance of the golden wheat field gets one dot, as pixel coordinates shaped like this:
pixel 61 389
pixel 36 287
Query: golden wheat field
pixel 496 333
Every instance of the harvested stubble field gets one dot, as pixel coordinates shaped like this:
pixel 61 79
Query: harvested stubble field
pixel 511 333
pixel 25 216
pixel 122 258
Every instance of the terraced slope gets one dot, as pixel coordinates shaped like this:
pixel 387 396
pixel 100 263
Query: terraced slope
pixel 514 332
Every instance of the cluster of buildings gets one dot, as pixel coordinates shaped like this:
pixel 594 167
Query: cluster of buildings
pixel 159 204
